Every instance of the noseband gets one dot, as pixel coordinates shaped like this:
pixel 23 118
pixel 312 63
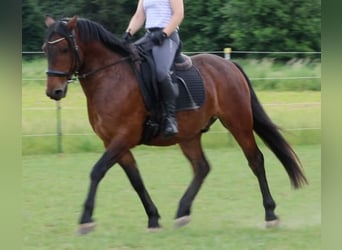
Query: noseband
pixel 71 39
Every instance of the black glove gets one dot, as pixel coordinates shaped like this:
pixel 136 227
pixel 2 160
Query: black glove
pixel 158 37
pixel 127 37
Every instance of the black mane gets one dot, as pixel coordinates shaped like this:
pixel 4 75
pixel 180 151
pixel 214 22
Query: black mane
pixel 90 31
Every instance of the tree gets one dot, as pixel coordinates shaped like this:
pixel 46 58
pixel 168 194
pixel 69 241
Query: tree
pixel 263 25
pixel 200 30
pixel 273 25
pixel 32 27
pixel 58 9
pixel 113 15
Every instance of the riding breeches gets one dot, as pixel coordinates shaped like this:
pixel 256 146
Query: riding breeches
pixel 164 54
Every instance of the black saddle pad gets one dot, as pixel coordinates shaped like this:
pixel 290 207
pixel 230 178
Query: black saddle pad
pixel 190 83
pixel 191 89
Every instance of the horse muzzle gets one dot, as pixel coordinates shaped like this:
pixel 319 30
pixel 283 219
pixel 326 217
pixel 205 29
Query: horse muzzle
pixel 57 93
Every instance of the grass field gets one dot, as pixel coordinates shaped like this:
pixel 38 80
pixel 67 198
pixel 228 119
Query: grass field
pixel 227 213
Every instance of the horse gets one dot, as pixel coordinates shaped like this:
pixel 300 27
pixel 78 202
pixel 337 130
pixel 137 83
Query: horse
pixel 104 66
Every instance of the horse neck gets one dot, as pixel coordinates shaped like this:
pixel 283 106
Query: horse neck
pixel 95 56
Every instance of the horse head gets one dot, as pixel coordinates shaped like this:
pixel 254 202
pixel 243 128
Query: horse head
pixel 62 55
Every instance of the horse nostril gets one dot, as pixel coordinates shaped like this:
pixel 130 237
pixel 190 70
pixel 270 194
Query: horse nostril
pixel 58 92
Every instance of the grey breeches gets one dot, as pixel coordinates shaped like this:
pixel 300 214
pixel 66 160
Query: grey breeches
pixel 163 55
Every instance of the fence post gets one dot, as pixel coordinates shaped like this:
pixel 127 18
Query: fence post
pixel 227 52
pixel 59 127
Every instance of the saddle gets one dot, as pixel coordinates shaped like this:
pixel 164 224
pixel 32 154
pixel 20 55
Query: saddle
pixel 184 73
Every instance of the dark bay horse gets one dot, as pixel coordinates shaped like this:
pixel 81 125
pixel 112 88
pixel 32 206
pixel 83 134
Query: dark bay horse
pixel 81 47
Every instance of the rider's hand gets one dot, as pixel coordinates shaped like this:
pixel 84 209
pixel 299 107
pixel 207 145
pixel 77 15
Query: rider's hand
pixel 158 37
pixel 127 37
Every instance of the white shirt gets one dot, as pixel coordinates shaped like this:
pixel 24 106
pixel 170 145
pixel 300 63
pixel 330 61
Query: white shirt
pixel 158 13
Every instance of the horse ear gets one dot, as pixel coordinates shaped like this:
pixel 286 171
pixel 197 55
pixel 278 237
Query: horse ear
pixel 72 23
pixel 49 20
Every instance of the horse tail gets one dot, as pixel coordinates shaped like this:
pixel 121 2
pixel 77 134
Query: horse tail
pixel 271 136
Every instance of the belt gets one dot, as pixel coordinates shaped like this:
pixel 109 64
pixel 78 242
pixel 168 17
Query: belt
pixel 149 30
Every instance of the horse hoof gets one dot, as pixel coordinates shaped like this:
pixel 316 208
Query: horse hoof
pixel 154 229
pixel 272 223
pixel 86 228
pixel 182 221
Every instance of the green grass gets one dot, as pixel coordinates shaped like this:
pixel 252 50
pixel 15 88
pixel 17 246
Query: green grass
pixel 227 213
pixel 282 76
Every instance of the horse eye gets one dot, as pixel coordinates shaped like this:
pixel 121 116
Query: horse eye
pixel 65 49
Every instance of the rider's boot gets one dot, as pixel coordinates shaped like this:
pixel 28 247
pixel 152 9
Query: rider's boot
pixel 169 93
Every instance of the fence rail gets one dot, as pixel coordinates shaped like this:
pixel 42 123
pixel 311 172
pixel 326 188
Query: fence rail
pixel 222 51
pixel 93 134
pixel 265 104
pixel 251 78
pixel 59 133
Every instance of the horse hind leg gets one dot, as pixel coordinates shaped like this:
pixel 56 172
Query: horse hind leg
pixel 243 133
pixel 194 153
pixel 256 163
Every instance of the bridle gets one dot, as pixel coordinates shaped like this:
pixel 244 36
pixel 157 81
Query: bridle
pixel 74 72
pixel 76 58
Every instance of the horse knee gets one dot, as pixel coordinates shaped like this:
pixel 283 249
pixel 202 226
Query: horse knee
pixel 203 170
pixel 96 175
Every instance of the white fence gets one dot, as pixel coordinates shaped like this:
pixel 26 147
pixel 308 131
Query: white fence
pixel 83 109
pixel 227 56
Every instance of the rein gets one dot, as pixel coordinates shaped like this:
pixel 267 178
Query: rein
pixel 76 58
pixel 92 72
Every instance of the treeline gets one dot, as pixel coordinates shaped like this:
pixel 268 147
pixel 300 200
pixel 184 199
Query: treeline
pixel 260 25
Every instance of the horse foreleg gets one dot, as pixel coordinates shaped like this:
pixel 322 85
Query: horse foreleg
pixel 99 170
pixel 194 153
pixel 128 164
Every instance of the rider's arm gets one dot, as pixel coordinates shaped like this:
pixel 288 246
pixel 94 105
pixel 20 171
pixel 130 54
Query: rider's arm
pixel 177 16
pixel 137 19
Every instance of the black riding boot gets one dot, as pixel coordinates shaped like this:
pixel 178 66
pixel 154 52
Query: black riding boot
pixel 169 93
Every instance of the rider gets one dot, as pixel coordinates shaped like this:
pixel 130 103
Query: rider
pixel 162 19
